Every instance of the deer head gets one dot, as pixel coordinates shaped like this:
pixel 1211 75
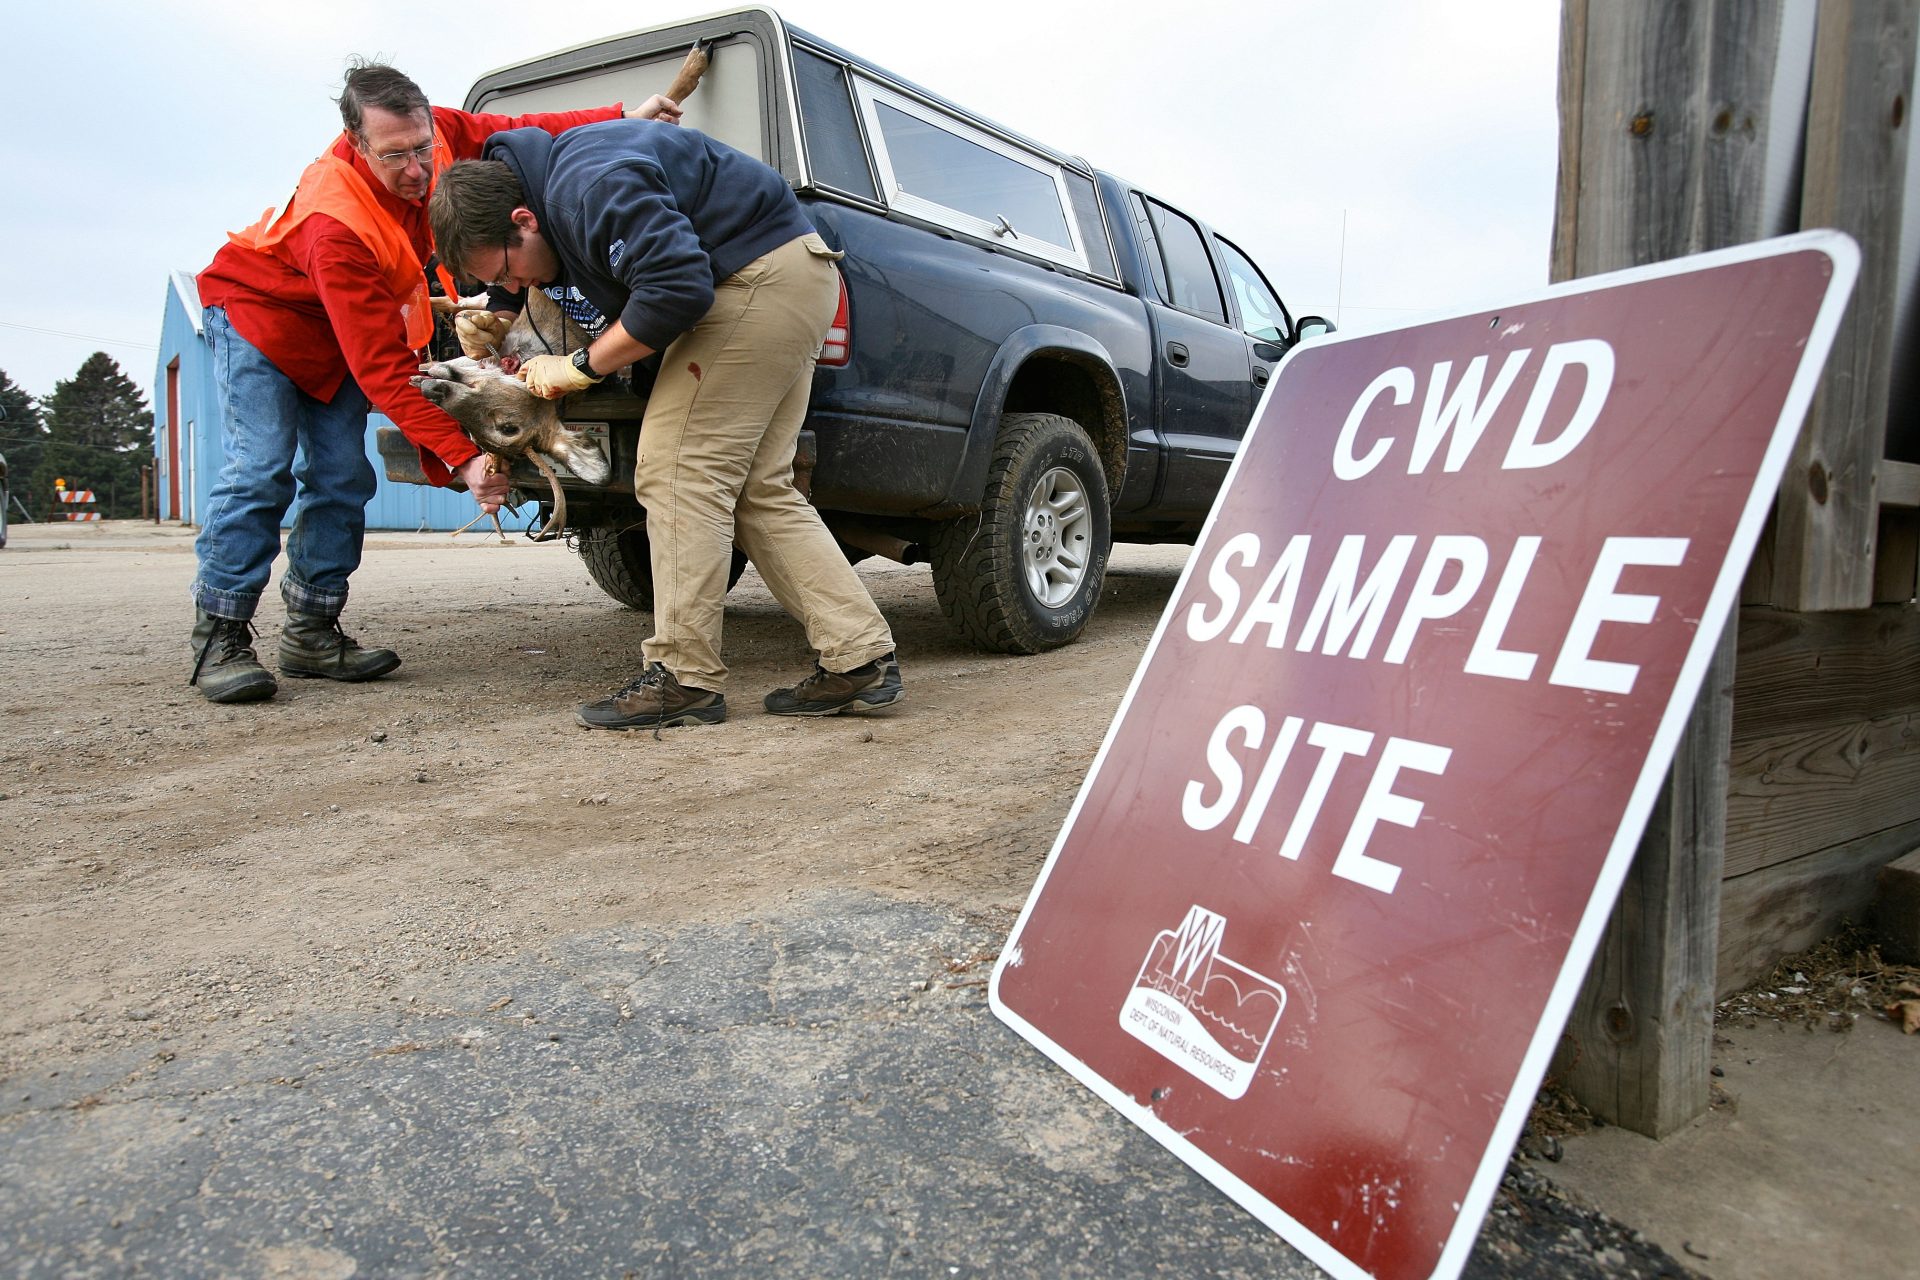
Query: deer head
pixel 498 411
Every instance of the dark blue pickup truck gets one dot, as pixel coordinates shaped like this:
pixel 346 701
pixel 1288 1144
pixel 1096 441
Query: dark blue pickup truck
pixel 1033 358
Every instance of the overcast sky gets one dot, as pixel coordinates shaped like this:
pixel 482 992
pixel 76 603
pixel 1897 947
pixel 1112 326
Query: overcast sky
pixel 1380 160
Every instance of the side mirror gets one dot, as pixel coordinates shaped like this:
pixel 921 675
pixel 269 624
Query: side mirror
pixel 1311 327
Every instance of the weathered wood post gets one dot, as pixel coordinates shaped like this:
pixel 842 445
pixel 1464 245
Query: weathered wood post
pixel 1857 141
pixel 1673 118
pixel 1664 110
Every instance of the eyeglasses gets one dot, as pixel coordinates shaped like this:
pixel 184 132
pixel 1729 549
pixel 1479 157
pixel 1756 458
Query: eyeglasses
pixel 501 276
pixel 400 159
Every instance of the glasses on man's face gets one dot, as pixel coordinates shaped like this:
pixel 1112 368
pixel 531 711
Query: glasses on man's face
pixel 397 160
pixel 504 274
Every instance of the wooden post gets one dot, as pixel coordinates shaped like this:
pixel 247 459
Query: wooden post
pixel 1828 510
pixel 1639 1042
pixel 1896 556
pixel 1664 111
pixel 1663 130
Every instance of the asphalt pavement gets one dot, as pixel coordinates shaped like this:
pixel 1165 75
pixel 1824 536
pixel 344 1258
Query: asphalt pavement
pixel 822 1094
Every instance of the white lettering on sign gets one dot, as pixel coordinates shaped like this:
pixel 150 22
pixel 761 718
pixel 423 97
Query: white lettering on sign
pixel 1247 725
pixel 1353 602
pixel 1528 450
pixel 1488 658
pixel 1428 603
pixel 1601 603
pixel 1244 547
pixel 1345 465
pixel 1346 609
pixel 1464 415
pixel 1382 804
pixel 1459 419
pixel 1273 607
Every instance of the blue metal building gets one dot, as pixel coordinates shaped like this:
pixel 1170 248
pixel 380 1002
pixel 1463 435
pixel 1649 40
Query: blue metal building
pixel 186 433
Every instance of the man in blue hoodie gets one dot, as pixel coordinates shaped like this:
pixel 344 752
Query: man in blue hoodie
pixel 684 245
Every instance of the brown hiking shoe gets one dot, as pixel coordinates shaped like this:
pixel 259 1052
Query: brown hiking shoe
pixel 653 700
pixel 867 687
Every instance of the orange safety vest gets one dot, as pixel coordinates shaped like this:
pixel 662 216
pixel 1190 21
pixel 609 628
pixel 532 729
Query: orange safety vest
pixel 331 186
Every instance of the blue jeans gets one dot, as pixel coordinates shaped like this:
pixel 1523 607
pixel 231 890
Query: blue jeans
pixel 264 419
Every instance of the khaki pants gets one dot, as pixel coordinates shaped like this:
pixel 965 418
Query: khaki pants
pixel 716 463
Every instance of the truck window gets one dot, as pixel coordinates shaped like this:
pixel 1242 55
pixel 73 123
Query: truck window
pixel 1093 234
pixel 1150 248
pixel 937 168
pixel 727 105
pixel 1261 315
pixel 834 153
pixel 1190 279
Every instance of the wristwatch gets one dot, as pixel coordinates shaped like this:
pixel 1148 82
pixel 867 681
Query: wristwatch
pixel 584 364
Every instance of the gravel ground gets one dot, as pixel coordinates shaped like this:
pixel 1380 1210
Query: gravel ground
pixel 416 978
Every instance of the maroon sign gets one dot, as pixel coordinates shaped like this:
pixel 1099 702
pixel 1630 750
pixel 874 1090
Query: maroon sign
pixel 1327 894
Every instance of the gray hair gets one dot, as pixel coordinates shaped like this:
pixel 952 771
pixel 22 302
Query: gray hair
pixel 374 84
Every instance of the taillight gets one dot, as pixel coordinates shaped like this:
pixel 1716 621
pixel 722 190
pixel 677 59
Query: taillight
pixel 837 351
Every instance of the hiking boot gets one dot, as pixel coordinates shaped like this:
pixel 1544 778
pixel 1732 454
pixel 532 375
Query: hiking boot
pixel 828 693
pixel 654 699
pixel 225 667
pixel 312 646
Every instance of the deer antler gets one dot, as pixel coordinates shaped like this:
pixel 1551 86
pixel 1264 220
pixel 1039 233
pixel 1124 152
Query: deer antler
pixel 496 466
pixel 558 520
pixel 555 522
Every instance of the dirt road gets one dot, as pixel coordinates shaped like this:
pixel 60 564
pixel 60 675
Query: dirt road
pixel 177 868
pixel 416 977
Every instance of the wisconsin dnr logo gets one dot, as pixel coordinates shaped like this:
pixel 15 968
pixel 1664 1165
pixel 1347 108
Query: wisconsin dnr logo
pixel 1200 1010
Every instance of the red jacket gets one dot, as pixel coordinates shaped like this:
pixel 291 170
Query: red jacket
pixel 336 315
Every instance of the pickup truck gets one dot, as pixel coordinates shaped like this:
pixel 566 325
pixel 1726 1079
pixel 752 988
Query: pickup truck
pixel 1032 357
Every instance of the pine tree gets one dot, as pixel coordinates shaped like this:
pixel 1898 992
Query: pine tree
pixel 22 438
pixel 99 437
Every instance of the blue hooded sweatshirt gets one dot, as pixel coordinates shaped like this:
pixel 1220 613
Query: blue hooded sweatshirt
pixel 646 218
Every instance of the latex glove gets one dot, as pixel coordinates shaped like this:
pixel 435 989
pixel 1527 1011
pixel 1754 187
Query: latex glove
pixel 551 377
pixel 487 485
pixel 480 333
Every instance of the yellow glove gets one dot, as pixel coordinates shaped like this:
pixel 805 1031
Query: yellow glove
pixel 480 333
pixel 551 377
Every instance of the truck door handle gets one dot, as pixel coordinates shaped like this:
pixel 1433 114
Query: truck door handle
pixel 1177 354
pixel 1260 375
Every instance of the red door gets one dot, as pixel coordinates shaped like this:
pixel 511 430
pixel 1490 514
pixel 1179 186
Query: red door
pixel 173 439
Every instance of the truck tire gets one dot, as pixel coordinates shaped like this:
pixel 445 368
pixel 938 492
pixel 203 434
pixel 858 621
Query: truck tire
pixel 620 563
pixel 1025 575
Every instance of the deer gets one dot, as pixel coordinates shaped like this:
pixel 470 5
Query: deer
pixel 504 418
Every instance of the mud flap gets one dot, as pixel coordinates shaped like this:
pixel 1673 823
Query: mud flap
pixel 400 458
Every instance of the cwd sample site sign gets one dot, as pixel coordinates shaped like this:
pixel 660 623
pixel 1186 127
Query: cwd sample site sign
pixel 1326 897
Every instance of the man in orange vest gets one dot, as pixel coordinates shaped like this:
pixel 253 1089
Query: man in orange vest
pixel 312 318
